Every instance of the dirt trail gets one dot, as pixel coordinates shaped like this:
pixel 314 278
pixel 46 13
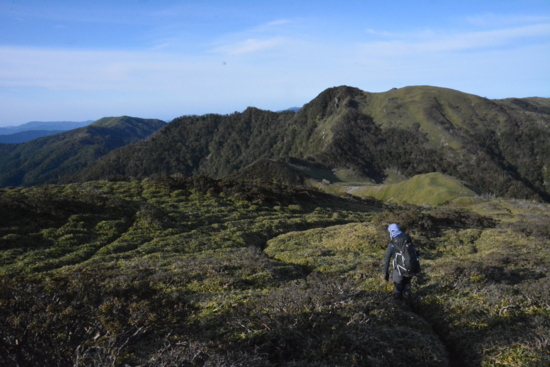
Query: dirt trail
pixel 455 359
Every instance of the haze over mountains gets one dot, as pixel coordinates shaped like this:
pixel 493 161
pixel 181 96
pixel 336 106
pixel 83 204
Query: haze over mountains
pixel 44 125
pixel 55 158
pixel 500 147
pixel 37 129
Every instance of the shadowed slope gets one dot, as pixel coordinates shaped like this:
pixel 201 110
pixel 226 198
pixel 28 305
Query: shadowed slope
pixel 54 158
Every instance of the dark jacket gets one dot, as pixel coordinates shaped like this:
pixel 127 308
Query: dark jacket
pixel 390 251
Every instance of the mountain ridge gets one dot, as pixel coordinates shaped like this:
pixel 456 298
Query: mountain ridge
pixel 489 144
pixel 499 147
pixel 54 158
pixel 44 125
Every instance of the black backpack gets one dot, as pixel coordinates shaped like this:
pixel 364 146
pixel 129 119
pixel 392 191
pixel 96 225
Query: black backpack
pixel 406 260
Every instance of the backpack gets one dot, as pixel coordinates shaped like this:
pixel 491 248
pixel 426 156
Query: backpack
pixel 406 260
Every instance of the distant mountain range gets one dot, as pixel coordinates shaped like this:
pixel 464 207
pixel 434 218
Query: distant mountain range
pixel 55 158
pixel 498 147
pixel 293 109
pixel 24 136
pixel 45 126
pixel 37 129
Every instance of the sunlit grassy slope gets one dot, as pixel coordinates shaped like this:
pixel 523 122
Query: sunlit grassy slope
pixel 428 106
pixel 431 188
pixel 202 272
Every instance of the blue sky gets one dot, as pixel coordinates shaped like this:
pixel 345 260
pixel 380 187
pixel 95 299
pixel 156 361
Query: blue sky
pixel 82 60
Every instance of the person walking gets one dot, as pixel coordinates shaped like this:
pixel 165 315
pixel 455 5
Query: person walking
pixel 405 261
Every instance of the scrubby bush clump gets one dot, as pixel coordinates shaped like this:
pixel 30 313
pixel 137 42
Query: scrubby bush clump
pixel 104 318
pixel 75 316
pixel 536 225
pixel 427 224
pixel 255 191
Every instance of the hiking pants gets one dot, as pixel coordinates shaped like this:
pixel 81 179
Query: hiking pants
pixel 402 285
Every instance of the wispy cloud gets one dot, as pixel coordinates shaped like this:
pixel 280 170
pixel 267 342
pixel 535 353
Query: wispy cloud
pixel 374 32
pixel 262 37
pixel 76 69
pixel 422 34
pixel 434 42
pixel 505 20
pixel 251 45
pixel 65 12
pixel 277 26
pixel 279 22
pixel 192 63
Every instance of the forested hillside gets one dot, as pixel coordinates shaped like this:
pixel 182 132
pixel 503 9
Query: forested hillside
pixel 57 157
pixel 501 147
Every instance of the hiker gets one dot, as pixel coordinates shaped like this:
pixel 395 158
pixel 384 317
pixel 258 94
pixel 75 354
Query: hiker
pixel 405 261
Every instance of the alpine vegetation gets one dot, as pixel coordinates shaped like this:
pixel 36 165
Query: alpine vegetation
pixel 405 228
pixel 202 272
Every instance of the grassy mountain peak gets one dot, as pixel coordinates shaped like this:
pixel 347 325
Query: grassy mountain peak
pixel 122 122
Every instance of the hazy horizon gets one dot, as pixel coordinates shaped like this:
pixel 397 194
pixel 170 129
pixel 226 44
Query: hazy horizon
pixel 77 61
